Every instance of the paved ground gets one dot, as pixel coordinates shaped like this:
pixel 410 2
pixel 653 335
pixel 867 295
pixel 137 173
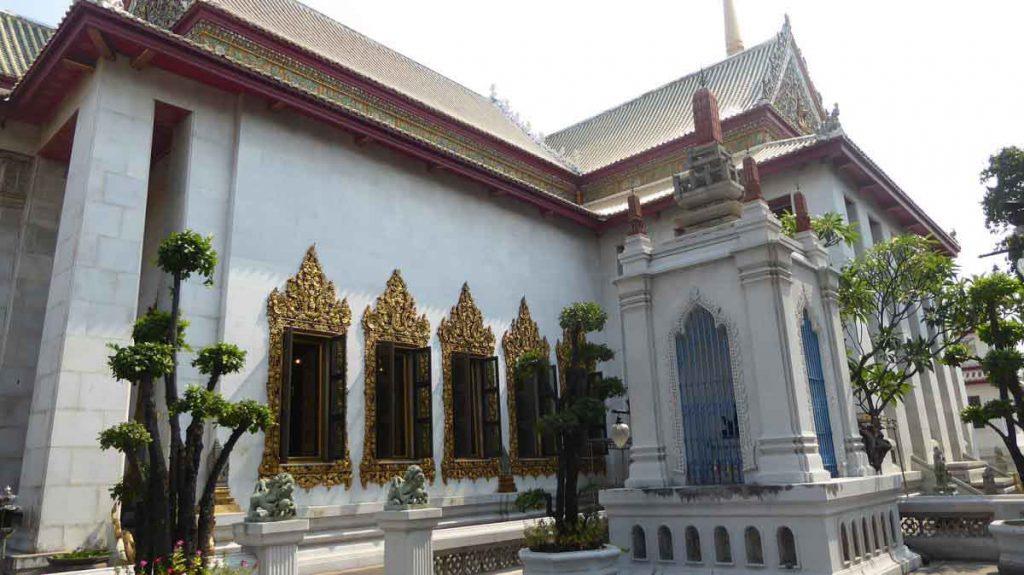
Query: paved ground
pixel 948 568
pixel 936 568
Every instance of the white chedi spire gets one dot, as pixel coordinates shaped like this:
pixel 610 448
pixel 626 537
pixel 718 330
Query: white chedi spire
pixel 733 41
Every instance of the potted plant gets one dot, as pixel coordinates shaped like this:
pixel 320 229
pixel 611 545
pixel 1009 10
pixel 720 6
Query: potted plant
pixel 570 542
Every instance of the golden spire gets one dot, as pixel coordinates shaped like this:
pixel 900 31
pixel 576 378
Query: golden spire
pixel 733 42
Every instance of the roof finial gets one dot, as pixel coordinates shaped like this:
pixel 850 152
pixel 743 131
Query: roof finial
pixel 733 42
pixel 636 215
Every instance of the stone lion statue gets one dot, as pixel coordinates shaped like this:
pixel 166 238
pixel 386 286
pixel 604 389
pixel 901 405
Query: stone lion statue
pixel 408 490
pixel 272 499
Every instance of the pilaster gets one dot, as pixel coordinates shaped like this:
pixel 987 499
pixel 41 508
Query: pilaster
pixel 856 461
pixel 647 455
pixel 786 446
pixel 92 302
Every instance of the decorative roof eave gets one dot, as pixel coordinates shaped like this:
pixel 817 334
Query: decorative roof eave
pixel 763 112
pixel 202 11
pixel 849 159
pixel 179 55
pixel 845 157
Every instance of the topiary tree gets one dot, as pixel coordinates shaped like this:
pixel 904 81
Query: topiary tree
pixel 1003 202
pixel 579 407
pixel 881 293
pixel 995 312
pixel 161 485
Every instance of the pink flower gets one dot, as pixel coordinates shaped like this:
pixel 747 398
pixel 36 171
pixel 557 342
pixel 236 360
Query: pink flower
pixel 245 563
pixel 179 543
pixel 143 563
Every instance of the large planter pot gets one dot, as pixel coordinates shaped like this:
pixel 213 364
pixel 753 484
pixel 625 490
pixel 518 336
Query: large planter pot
pixel 597 562
pixel 1009 535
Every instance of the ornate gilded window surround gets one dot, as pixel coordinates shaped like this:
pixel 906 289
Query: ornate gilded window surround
pixel 463 331
pixel 523 336
pixel 394 318
pixel 308 303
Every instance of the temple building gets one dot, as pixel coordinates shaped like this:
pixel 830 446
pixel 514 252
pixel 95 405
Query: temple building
pixel 391 243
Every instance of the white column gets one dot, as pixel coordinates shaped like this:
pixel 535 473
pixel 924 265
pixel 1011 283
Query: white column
pixel 408 540
pixel 92 302
pixel 647 455
pixel 786 445
pixel 273 544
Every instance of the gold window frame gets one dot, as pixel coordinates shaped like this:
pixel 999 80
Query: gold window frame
pixel 394 318
pixel 463 331
pixel 523 336
pixel 309 304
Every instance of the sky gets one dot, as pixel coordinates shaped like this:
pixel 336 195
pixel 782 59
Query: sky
pixel 928 88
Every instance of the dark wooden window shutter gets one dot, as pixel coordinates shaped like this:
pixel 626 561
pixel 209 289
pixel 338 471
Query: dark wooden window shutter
pixel 548 404
pixel 527 406
pixel 423 428
pixel 284 419
pixel 337 399
pixel 491 409
pixel 461 405
pixel 385 390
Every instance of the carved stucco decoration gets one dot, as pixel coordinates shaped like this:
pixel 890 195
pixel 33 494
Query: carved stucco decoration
pixel 163 13
pixel 309 303
pixel 394 318
pixel 794 103
pixel 563 350
pixel 523 336
pixel 697 299
pixel 463 331
pixel 372 107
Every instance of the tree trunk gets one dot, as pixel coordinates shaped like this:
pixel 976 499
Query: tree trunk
pixel 155 521
pixel 206 507
pixel 876 446
pixel 181 517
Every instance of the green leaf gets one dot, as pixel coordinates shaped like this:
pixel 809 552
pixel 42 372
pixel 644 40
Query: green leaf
pixel 186 253
pixel 134 362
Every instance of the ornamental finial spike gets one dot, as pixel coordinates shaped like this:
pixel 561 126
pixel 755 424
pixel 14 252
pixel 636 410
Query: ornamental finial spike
pixel 706 122
pixel 733 41
pixel 803 219
pixel 637 226
pixel 751 180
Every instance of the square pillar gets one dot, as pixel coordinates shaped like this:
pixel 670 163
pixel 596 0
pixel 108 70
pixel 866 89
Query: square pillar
pixel 786 445
pixel 647 455
pixel 92 302
pixel 274 545
pixel 408 540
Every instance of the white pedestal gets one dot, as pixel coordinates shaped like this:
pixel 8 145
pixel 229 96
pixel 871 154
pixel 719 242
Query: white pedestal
pixel 274 544
pixel 408 546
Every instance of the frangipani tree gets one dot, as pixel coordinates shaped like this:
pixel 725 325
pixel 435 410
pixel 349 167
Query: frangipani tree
pixel 881 294
pixel 161 485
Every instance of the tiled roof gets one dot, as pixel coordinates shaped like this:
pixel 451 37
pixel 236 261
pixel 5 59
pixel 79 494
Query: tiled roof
pixel 309 30
pixel 664 114
pixel 21 40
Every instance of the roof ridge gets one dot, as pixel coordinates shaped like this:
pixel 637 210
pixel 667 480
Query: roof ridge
pixel 319 14
pixel 678 80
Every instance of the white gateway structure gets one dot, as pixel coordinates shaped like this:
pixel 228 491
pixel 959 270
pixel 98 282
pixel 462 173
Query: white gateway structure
pixel 336 174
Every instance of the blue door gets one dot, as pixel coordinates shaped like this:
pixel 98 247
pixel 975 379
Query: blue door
pixel 710 425
pixel 819 399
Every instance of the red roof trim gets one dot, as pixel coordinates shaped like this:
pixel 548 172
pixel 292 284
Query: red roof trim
pixel 205 66
pixel 201 11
